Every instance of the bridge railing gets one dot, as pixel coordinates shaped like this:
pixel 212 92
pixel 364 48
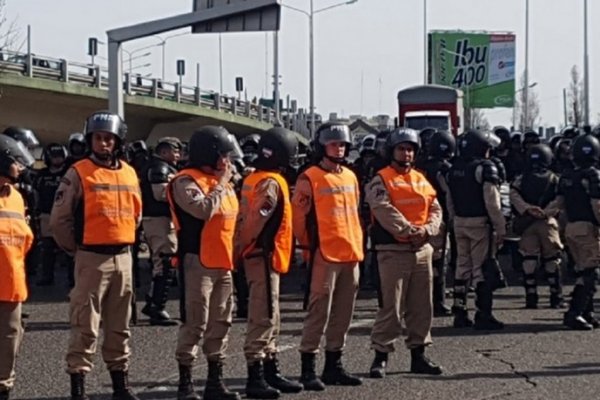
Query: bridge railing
pixel 43 67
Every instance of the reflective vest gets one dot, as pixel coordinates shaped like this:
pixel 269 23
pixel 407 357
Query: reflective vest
pixel 281 242
pixel 216 234
pixel 410 193
pixel 336 203
pixel 15 241
pixel 111 203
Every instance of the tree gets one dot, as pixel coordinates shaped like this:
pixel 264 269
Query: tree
pixel 575 98
pixel 10 35
pixel 479 120
pixel 533 108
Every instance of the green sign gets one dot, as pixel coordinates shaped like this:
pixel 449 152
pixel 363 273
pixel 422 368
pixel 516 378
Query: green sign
pixel 482 65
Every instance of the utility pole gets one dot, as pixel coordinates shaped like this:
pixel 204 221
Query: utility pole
pixel 586 67
pixel 525 104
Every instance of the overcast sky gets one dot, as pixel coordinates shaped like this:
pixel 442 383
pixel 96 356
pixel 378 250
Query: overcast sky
pixel 378 40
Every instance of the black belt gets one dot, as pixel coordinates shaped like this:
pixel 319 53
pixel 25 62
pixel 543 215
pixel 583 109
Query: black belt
pixel 106 249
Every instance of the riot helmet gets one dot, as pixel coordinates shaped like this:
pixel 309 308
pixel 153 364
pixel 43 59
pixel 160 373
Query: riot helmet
pixel 54 150
pixel 208 144
pixel 596 131
pixel 76 145
pixel 569 132
pixel 442 145
pixel 277 150
pixel 332 132
pixel 402 135
pixel 249 144
pixel 586 151
pixel 530 138
pixel 515 141
pixel 237 155
pixel 381 142
pixel 367 144
pixel 475 143
pixel 11 152
pixel 504 135
pixel 137 149
pixel 538 157
pixel 23 135
pixel 105 121
pixel 425 136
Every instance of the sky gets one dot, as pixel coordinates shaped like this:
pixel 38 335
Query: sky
pixel 364 52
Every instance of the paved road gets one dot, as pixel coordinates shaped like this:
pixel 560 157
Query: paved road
pixel 533 358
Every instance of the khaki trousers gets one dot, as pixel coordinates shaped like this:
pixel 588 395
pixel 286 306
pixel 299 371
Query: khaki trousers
pixel 11 335
pixel 472 243
pixel 583 239
pixel 161 238
pixel 541 239
pixel 330 306
pixel 262 332
pixel 406 282
pixel 102 293
pixel 208 302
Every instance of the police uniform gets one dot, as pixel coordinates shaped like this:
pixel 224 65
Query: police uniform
pixel 160 235
pixel 96 212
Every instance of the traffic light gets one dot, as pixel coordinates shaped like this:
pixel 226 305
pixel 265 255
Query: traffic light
pixel 180 67
pixel 92 46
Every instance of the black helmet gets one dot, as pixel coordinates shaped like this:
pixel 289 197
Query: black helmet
pixel 425 136
pixel 442 145
pixel 137 149
pixel 402 135
pixel 208 144
pixel 332 132
pixel 250 142
pixel 586 151
pixel 539 156
pixel 569 132
pixel 504 135
pixel 105 121
pixel 12 151
pixel 596 131
pixel 475 143
pixel 530 138
pixel 381 142
pixel 23 135
pixel 515 138
pixel 277 149
pixel 54 150
pixel 368 143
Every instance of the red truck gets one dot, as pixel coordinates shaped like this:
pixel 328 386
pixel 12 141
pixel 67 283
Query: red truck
pixel 431 106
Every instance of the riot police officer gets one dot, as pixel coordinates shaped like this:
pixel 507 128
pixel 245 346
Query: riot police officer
pixel 17 239
pixel 158 226
pixel 96 211
pixel 530 193
pixel 265 244
pixel 77 147
pixel 579 196
pixel 137 155
pixel 46 184
pixel 442 146
pixel 205 208
pixel 474 204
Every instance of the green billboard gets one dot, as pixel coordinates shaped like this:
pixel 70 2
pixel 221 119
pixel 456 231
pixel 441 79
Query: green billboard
pixel 482 65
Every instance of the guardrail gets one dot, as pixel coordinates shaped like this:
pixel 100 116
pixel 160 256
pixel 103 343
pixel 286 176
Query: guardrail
pixel 35 66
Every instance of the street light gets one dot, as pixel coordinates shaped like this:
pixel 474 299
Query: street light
pixel 163 43
pixel 514 117
pixel 586 66
pixel 132 58
pixel 311 14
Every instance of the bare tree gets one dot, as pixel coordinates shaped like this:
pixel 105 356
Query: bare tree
pixel 576 99
pixel 479 120
pixel 533 108
pixel 10 34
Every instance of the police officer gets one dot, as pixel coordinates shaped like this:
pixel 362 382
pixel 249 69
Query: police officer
pixel 326 221
pixel 563 158
pixel 138 155
pixel 249 146
pixel 265 242
pixel 205 208
pixel 77 148
pixel 530 193
pixel 425 136
pixel 96 211
pixel 17 239
pixel 46 184
pixel 158 226
pixel 579 197
pixel 406 215
pixel 474 205
pixel 442 146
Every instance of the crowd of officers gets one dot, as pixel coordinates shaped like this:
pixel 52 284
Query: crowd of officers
pixel 411 205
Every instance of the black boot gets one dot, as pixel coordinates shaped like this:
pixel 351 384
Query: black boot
pixel 484 320
pixel 155 304
pixel 459 309
pixel 334 372
pixel 379 364
pixel 78 387
pixel 309 378
pixel 588 314
pixel 419 364
pixel 186 391
pixel 531 296
pixel 440 309
pixel 555 284
pixel 215 388
pixel 256 386
pixel 4 394
pixel 121 389
pixel 275 379
pixel 573 318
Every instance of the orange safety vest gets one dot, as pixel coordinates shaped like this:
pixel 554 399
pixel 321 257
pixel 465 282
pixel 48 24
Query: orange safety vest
pixel 410 193
pixel 216 237
pixel 336 202
pixel 15 241
pixel 111 203
pixel 283 240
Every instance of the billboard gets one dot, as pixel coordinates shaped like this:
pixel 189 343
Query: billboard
pixel 482 65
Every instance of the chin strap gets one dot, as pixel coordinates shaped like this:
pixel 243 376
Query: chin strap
pixel 337 160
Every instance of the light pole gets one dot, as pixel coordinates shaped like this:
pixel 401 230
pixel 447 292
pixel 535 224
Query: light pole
pixel 586 66
pixel 514 116
pixel 526 74
pixel 311 52
pixel 163 43
pixel 130 56
pixel 425 73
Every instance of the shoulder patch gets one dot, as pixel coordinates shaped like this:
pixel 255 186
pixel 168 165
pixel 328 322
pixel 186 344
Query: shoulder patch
pixel 59 198
pixel 65 180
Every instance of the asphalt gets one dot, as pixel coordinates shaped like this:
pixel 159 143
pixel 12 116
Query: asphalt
pixel 534 357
